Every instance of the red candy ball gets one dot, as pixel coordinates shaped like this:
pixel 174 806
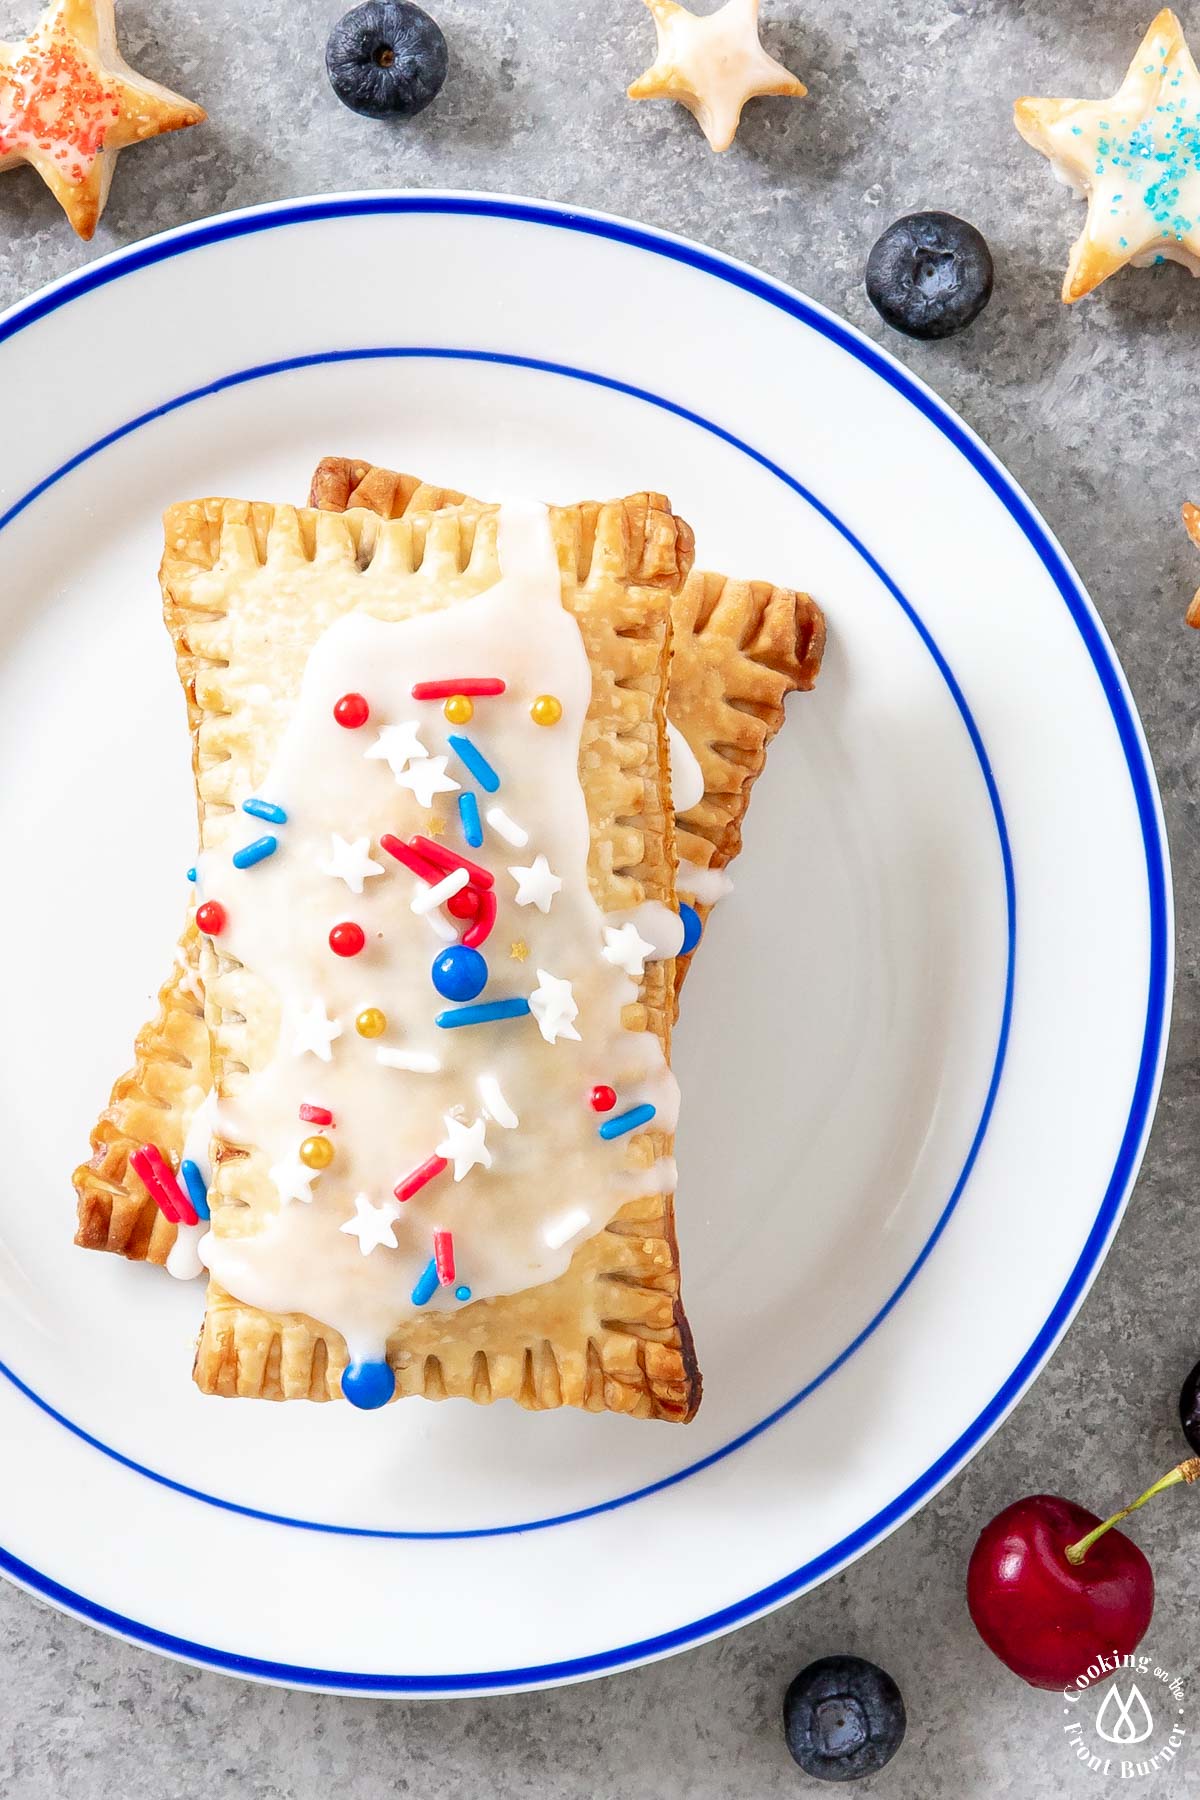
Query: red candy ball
pixel 347 939
pixel 211 918
pixel 602 1099
pixel 464 904
pixel 351 711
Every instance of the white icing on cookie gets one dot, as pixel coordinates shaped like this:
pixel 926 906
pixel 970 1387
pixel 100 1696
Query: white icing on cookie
pixel 687 777
pixel 705 885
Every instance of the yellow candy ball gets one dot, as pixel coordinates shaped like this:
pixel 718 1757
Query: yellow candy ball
pixel 458 709
pixel 546 710
pixel 371 1023
pixel 316 1153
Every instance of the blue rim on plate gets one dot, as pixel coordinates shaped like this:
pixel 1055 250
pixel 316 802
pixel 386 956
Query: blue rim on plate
pixel 1133 747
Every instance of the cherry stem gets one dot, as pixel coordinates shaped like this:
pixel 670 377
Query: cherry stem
pixel 1188 1471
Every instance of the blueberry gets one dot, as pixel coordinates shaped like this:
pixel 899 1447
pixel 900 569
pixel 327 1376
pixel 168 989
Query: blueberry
pixel 1189 1409
pixel 386 59
pixel 843 1718
pixel 929 274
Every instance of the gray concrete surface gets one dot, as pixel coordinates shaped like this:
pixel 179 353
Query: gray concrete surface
pixel 1095 411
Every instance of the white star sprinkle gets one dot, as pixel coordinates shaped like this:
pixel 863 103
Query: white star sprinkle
pixel 464 1145
pixel 293 1180
pixel 397 745
pixel 536 885
pixel 315 1031
pixel 427 779
pixel 350 863
pixel 553 1006
pixel 372 1225
pixel 626 948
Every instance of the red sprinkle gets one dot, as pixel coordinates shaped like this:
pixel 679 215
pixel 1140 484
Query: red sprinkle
pixel 351 711
pixel 347 939
pixel 316 1115
pixel 443 1256
pixel 450 859
pixel 412 1184
pixel 210 917
pixel 464 904
pixel 404 853
pixel 481 930
pixel 602 1099
pixel 159 1181
pixel 471 685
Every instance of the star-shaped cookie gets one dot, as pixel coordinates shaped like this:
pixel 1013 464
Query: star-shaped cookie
pixel 712 64
pixel 69 102
pixel 1135 158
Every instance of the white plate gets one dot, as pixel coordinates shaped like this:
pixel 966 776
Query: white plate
pixel 920 1050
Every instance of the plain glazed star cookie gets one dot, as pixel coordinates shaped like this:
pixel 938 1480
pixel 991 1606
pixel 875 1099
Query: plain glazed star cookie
pixel 1134 158
pixel 69 102
pixel 712 64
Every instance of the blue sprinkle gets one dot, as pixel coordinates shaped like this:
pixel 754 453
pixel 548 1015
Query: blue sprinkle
pixel 462 1293
pixel 689 918
pixel 193 1181
pixel 427 1286
pixel 192 876
pixel 256 852
pixel 265 809
pixel 627 1121
pixel 468 812
pixel 475 761
pixel 368 1385
pixel 481 1015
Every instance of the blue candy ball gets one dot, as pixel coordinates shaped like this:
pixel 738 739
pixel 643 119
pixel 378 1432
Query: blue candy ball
pixel 459 973
pixel 690 920
pixel 368 1385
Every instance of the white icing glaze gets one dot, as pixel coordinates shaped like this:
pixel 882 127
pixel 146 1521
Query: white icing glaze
pixel 197 1145
pixel 705 885
pixel 183 1258
pixel 513 1091
pixel 687 777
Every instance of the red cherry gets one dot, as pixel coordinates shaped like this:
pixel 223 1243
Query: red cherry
pixel 464 904
pixel 211 918
pixel 1043 1615
pixel 351 711
pixel 347 939
pixel 602 1099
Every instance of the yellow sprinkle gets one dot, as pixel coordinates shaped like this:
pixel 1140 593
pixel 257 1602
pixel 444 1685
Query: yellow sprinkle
pixel 316 1153
pixel 546 710
pixel 371 1023
pixel 434 827
pixel 520 950
pixel 458 709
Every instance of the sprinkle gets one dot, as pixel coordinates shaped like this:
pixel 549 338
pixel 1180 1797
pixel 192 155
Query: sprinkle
pixel 483 1014
pixel 430 898
pixel 256 852
pixel 602 1098
pixel 518 950
pixel 693 926
pixel 546 710
pixel 475 761
pixel 371 1022
pixel 316 1153
pixel 464 905
pixel 478 685
pixel 412 1184
pixel 434 827
pixel 416 1062
pixel 372 1225
pixel 446 858
pixel 480 931
pixel 191 875
pixel 441 928
pixel 459 710
pixel 316 1115
pixel 159 1180
pixel 508 829
pixel 495 1105
pixel 265 809
pixel 443 1256
pixel 427 1286
pixel 351 711
pixel 465 1145
pixel 462 1293
pixel 412 859
pixel 468 812
pixel 196 1186
pixel 569 1226
pixel 347 938
pixel 627 1121
pixel 210 917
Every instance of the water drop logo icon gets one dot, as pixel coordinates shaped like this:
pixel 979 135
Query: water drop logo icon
pixel 1124 1721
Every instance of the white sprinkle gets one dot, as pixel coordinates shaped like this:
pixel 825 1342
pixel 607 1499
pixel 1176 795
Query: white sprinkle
pixel 495 1105
pixel 441 928
pixel 417 1062
pixel 507 828
pixel 428 899
pixel 570 1225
